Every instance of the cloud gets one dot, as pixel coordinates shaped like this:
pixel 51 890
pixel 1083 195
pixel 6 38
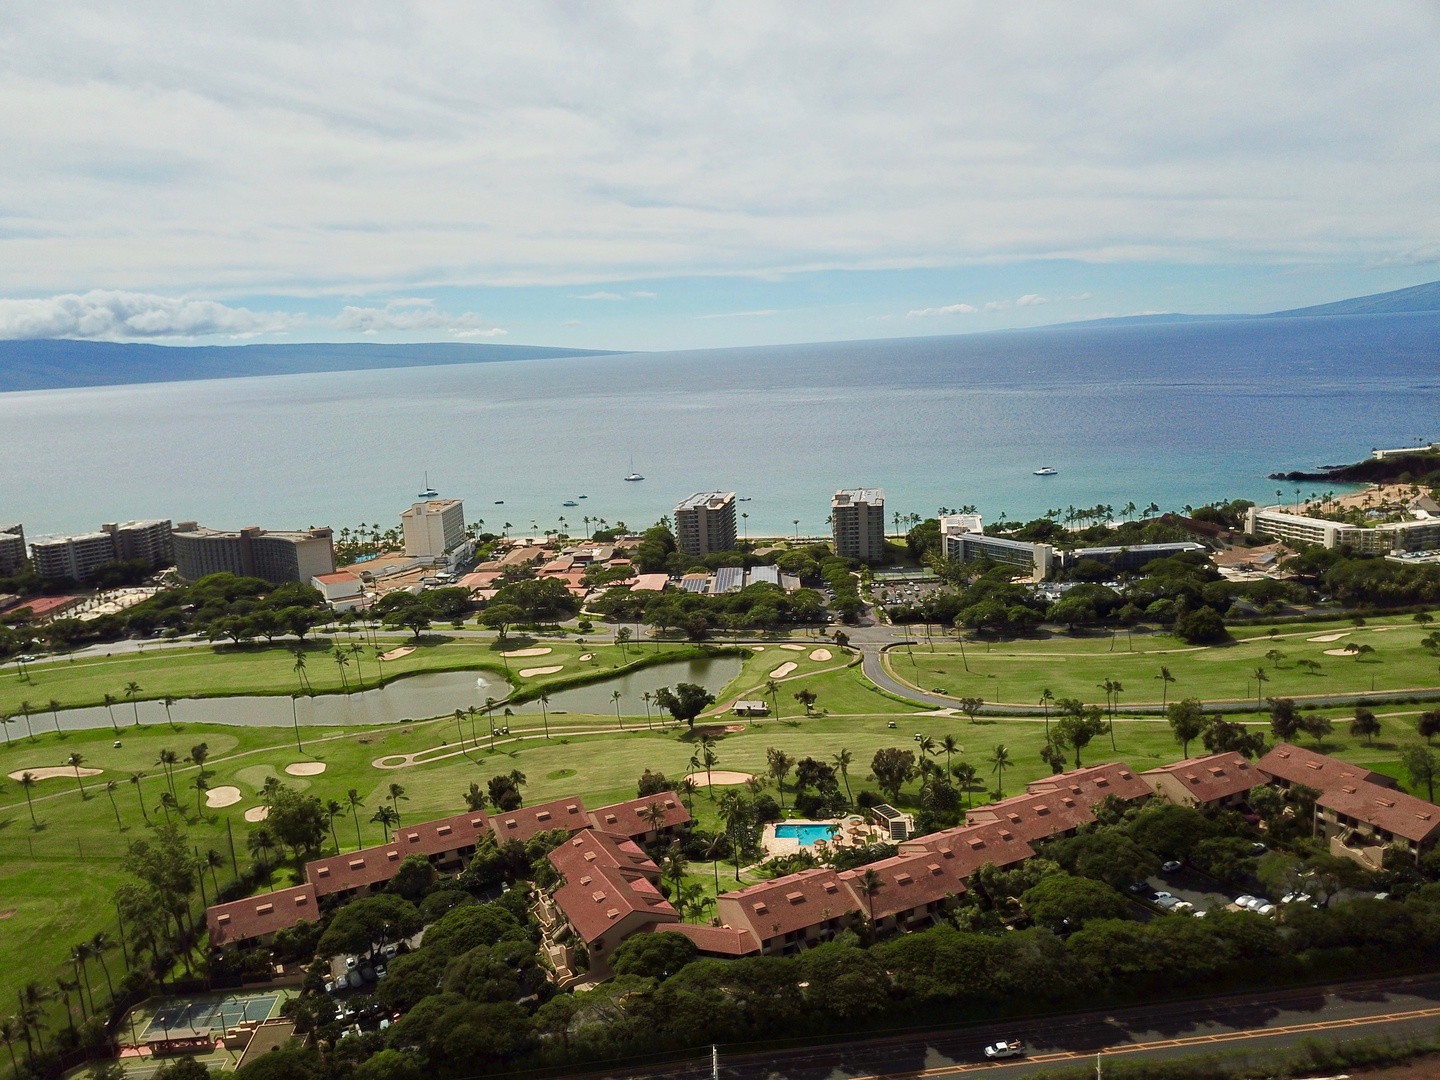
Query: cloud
pixel 642 294
pixel 113 316
pixel 1031 300
pixel 741 314
pixel 1081 296
pixel 997 305
pixel 601 295
pixel 948 309
pixel 410 315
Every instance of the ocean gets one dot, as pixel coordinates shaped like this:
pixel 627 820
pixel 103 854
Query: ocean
pixel 1173 414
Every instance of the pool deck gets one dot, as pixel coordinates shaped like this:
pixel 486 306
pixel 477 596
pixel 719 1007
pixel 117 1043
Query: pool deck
pixel 853 832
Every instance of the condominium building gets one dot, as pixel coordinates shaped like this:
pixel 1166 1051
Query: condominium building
pixel 857 520
pixel 1129 558
pixel 705 523
pixel 143 541
pixel 433 528
pixel 1422 534
pixel 12 549
pixel 74 557
pixel 275 557
pixel 965 541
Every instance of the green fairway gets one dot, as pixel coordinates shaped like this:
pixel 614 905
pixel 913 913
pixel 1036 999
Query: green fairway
pixel 60 894
pixel 1019 671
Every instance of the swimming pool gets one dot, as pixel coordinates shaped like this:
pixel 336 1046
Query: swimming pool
pixel 806 834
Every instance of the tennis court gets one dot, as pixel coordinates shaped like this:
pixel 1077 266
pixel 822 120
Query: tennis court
pixel 179 1017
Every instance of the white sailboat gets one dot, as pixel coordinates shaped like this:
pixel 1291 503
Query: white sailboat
pixel 429 492
pixel 633 474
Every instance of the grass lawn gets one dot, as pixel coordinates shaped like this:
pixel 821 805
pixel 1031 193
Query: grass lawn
pixel 1017 671
pixel 61 894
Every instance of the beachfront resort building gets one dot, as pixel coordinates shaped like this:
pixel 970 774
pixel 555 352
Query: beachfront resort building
pixel 433 529
pixel 964 540
pixel 12 549
pixel 1420 534
pixel 857 519
pixel 276 557
pixel 705 523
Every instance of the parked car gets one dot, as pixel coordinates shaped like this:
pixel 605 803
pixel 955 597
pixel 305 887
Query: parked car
pixel 1170 867
pixel 1011 1049
pixel 350 963
pixel 1139 888
pixel 1244 901
pixel 381 971
pixel 1265 909
pixel 367 973
pixel 390 950
pixel 329 986
pixel 342 982
pixel 1258 848
pixel 1163 895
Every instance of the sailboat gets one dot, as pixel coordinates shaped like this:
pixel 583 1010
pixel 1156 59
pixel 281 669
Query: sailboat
pixel 429 492
pixel 633 474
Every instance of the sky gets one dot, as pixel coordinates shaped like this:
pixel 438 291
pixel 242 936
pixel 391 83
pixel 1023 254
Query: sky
pixel 685 175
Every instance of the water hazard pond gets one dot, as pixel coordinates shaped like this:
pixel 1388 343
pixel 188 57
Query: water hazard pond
pixel 410 698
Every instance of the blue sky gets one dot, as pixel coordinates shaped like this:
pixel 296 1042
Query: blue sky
pixel 639 175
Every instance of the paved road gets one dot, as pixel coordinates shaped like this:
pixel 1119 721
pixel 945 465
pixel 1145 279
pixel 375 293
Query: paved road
pixel 1254 1022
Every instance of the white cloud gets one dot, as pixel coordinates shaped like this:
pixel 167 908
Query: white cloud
pixel 1081 296
pixel 1032 300
pixel 948 309
pixel 110 315
pixel 601 295
pixel 997 305
pixel 408 316
pixel 741 314
pixel 642 294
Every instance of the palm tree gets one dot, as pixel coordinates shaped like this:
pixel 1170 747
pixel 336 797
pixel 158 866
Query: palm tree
pixel 396 794
pixel 545 713
pixel 736 815
pixel 342 662
pixel 773 689
pixel 386 817
pixel 260 843
pixel 9 1030
pixel 132 690
pixel 135 778
pixel 999 759
pixel 357 650
pixel 965 773
pixel 1165 680
pixel 25 709
pixel 75 761
pixel 166 761
pixel 842 766
pixel 201 785
pixel 333 810
pixel 300 674
pixel 949 747
pixel 615 697
pixel 167 803
pixel 110 786
pixel 65 986
pixel 100 944
pixel 167 700
pixel 54 707
pixel 213 860
pixel 870 883
pixel 1046 697
pixel 1260 679
pixel 32 1013
pixel 355 803
pixel 27 781
pixel 79 954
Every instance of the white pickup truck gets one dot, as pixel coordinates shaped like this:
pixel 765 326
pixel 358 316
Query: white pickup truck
pixel 1005 1050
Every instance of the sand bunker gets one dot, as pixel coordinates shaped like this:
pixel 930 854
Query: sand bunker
pixel 794 648
pixel 820 654
pixel 1328 637
pixel 718 778
pixel 217 797
pixel 531 672
pixel 757 648
pixel 257 813
pixel 783 670
pixel 734 729
pixel 539 650
pixel 1338 652
pixel 396 654
pixel 52 772
pixel 586 656
pixel 306 768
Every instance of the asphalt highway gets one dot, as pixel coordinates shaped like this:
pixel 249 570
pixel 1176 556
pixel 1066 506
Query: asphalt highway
pixel 1393 1008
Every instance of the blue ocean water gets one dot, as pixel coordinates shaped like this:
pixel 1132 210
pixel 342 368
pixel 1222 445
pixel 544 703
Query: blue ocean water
pixel 1175 414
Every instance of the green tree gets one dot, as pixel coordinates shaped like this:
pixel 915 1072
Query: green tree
pixel 841 761
pixel 75 761
pixel 1077 732
pixel 1284 720
pixel 892 767
pixel 686 702
pixel 1064 904
pixel 386 817
pixel 1421 763
pixel 355 802
pixel 1317 727
pixel 778 764
pixel 132 691
pixel 1165 680
pixel 1187 721
pixel 1428 724
pixel 807 698
pixel 1365 723
pixel 27 781
pixel 999 761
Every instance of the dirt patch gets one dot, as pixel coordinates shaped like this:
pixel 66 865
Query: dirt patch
pixel 794 648
pixel 783 670
pixel 734 729
pixel 54 772
pixel 397 654
pixel 8 913
pixel 719 778
pixel 539 650
pixel 820 654
pixel 531 672
pixel 217 797
pixel 257 813
pixel 306 768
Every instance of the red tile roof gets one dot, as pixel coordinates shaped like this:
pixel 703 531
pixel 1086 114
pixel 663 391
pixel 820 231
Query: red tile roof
pixel 625 818
pixel 974 846
pixel 373 865
pixel 1209 779
pixel 787 904
pixel 524 823
pixel 579 854
pixel 1093 783
pixel 714 940
pixel 1297 765
pixel 909 881
pixel 607 880
pixel 1385 808
pixel 1035 817
pixel 257 916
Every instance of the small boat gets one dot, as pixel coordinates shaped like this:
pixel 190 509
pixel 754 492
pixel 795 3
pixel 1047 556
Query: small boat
pixel 1045 470
pixel 569 502
pixel 633 474
pixel 745 498
pixel 584 496
pixel 499 502
pixel 429 492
